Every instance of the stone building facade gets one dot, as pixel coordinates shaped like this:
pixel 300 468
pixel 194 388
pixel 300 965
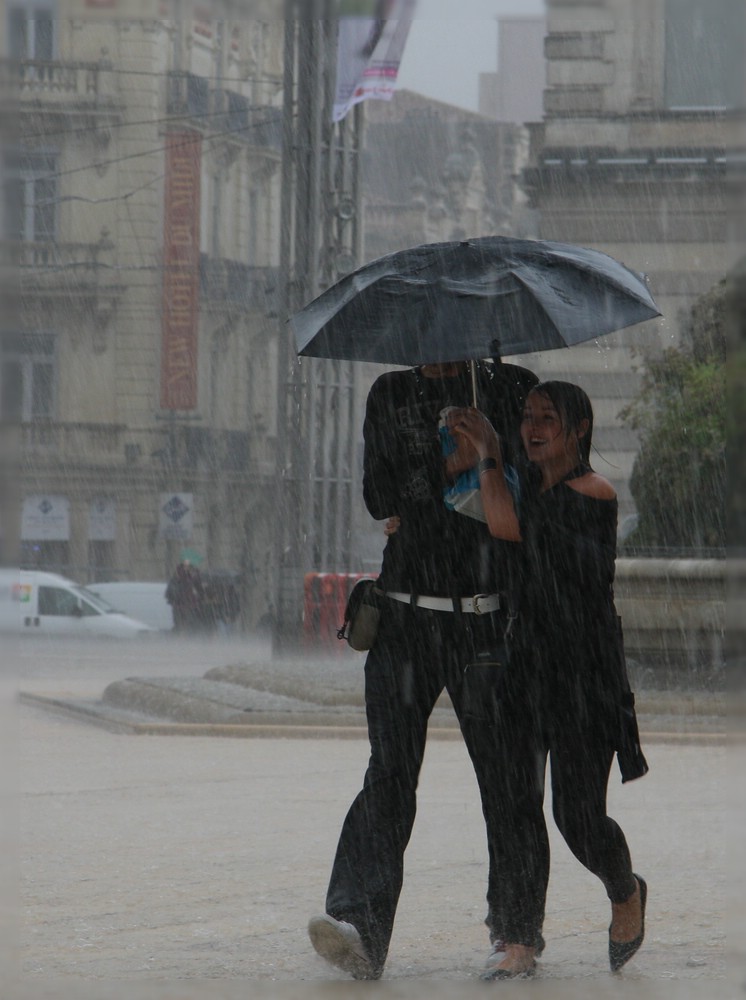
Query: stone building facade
pixel 141 182
pixel 638 155
pixel 515 93
pixel 141 185
pixel 434 171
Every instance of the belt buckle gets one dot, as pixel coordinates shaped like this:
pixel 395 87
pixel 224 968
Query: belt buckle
pixel 475 600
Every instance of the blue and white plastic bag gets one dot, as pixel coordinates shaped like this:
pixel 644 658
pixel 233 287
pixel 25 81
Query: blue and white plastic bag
pixel 464 495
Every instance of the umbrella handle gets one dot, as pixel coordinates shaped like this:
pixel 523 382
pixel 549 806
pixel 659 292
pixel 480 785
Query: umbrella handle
pixel 473 369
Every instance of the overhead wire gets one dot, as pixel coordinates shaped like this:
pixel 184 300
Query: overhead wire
pixel 270 80
pixel 165 120
pixel 99 201
pixel 153 150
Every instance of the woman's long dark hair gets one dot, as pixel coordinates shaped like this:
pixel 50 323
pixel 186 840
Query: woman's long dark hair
pixel 574 406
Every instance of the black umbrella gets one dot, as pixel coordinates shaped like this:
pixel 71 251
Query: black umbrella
pixel 453 301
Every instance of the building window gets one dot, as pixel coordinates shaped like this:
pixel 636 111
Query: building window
pixel 197 95
pixel 703 62
pixel 574 45
pixel 217 183
pixel 27 376
pixel 51 556
pixel 253 213
pixel 100 561
pixel 238 111
pixel 30 197
pixel 31 30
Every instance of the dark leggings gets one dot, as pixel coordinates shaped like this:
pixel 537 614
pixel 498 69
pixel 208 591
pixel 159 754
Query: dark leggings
pixel 580 765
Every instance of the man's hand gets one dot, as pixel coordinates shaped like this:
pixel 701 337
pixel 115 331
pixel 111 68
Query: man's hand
pixel 474 435
pixel 392 525
pixel 465 456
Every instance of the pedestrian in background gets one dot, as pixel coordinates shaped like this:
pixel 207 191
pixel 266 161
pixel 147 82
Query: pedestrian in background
pixel 186 595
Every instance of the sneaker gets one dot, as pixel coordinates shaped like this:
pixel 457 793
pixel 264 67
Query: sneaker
pixel 494 958
pixel 340 944
pixel 521 964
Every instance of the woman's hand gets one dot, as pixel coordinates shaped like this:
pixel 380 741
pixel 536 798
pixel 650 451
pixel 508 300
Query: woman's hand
pixel 470 428
pixel 471 425
pixel 392 525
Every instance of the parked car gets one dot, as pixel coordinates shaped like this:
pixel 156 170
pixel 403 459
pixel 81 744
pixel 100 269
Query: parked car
pixel 37 603
pixel 142 599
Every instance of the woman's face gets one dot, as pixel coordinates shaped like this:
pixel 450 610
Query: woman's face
pixel 543 436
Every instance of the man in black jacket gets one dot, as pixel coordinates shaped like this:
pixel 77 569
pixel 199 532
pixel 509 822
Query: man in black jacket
pixel 443 625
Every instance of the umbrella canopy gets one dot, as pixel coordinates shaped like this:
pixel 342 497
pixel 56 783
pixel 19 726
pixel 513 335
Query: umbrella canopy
pixel 451 301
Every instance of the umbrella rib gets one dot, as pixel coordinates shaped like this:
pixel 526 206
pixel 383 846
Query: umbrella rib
pixel 587 268
pixel 536 301
pixel 616 286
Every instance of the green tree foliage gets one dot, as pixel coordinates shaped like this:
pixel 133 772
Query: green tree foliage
pixel 737 409
pixel 679 477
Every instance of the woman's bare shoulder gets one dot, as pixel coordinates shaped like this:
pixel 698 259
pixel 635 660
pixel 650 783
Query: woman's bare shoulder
pixel 594 486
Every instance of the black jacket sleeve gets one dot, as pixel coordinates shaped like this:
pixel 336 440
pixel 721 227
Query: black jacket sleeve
pixel 380 490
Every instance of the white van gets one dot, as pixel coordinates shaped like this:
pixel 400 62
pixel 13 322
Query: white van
pixel 37 603
pixel 141 599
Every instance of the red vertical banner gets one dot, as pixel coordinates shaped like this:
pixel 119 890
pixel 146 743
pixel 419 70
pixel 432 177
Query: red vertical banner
pixel 180 307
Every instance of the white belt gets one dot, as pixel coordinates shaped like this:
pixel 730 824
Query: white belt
pixel 479 604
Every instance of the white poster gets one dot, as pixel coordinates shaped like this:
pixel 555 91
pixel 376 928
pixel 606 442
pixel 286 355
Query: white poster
pixel 102 520
pixel 45 518
pixel 372 36
pixel 176 516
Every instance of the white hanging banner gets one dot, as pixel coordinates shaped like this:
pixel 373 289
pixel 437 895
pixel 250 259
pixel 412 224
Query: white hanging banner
pixel 102 520
pixel 372 36
pixel 45 518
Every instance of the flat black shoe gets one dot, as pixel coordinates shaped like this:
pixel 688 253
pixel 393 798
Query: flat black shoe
pixel 620 952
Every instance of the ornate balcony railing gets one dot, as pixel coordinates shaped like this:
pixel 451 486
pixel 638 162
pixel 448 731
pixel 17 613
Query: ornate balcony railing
pixel 198 450
pixel 72 441
pixel 232 284
pixel 50 255
pixel 225 111
pixel 70 270
pixel 57 82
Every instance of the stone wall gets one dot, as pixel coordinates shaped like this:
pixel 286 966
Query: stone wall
pixel 673 614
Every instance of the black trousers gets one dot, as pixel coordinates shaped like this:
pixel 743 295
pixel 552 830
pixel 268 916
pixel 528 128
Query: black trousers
pixel 580 762
pixel 416 655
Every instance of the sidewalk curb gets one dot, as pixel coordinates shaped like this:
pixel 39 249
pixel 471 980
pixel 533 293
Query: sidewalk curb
pixel 290 729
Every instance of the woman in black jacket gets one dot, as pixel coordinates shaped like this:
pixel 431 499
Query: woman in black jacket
pixel 565 692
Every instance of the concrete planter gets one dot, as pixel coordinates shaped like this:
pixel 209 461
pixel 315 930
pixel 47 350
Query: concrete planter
pixel 673 612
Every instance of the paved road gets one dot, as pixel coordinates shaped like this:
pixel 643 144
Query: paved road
pixel 87 665
pixel 170 867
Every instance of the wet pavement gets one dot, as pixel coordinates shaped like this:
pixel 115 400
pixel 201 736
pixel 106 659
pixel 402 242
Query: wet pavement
pixel 171 867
